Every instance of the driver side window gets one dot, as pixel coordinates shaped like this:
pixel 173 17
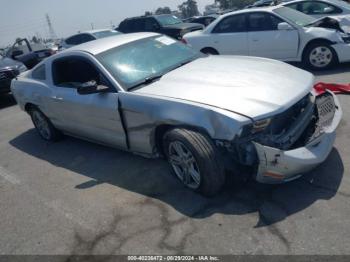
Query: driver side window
pixel 74 71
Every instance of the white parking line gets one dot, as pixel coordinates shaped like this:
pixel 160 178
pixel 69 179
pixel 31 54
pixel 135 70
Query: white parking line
pixel 8 176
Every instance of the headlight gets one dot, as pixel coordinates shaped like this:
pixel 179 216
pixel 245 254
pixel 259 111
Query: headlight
pixel 256 127
pixel 345 37
pixel 22 68
pixel 261 125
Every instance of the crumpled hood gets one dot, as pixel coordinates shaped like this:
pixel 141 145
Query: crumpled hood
pixel 255 87
pixel 8 63
pixel 339 23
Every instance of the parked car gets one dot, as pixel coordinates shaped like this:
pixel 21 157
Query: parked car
pixel 87 36
pixel 321 8
pixel 260 3
pixel 9 69
pixel 135 92
pixel 203 20
pixel 165 24
pixel 275 32
pixel 27 53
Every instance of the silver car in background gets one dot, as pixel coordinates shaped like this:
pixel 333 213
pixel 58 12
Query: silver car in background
pixel 87 36
pixel 149 94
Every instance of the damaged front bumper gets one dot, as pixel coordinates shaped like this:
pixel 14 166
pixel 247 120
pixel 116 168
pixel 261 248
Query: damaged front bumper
pixel 343 51
pixel 279 166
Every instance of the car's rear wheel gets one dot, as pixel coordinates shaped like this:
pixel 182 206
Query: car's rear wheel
pixel 43 125
pixel 319 56
pixel 195 160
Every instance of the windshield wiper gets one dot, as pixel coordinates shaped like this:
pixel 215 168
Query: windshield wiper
pixel 146 81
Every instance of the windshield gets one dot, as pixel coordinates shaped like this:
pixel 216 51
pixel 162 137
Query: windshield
pixel 131 64
pixel 168 20
pixel 341 3
pixel 106 33
pixel 294 16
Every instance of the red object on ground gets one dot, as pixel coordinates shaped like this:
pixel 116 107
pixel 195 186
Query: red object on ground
pixel 335 88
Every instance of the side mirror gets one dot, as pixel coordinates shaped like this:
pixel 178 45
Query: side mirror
pixel 16 53
pixel 284 26
pixel 91 87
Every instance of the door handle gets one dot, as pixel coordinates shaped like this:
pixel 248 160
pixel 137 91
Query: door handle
pixel 255 40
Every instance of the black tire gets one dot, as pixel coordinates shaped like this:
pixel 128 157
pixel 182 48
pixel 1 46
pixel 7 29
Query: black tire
pixel 208 161
pixel 209 51
pixel 51 133
pixel 310 49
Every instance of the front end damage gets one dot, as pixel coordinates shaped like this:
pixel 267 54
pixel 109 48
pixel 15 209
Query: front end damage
pixel 294 141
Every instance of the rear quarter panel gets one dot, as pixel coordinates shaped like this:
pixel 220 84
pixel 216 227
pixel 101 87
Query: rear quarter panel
pixel 27 90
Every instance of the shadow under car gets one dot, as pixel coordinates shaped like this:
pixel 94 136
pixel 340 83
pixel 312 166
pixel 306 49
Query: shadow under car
pixel 152 178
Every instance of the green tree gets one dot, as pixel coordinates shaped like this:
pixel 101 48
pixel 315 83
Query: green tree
pixel 147 13
pixel 189 8
pixel 163 10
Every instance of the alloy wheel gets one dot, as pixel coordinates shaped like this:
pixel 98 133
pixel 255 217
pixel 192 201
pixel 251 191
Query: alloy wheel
pixel 41 124
pixel 184 164
pixel 321 56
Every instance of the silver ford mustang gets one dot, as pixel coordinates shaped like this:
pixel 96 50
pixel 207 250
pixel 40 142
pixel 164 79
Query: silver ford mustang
pixel 151 95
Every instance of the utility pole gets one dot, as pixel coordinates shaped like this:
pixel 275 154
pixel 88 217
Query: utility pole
pixel 92 26
pixel 52 33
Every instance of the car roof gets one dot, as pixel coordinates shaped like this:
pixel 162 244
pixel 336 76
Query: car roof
pixel 146 16
pixel 249 10
pixel 96 31
pixel 91 32
pixel 104 44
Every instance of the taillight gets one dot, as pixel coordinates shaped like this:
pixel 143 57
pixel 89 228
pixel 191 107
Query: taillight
pixel 183 40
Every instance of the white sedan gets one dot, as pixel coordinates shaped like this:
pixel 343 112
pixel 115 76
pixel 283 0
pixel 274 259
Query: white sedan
pixel 274 32
pixel 321 8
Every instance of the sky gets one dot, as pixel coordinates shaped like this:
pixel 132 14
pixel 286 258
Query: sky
pixel 24 18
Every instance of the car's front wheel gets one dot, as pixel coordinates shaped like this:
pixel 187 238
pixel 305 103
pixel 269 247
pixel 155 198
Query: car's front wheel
pixel 43 125
pixel 319 56
pixel 195 161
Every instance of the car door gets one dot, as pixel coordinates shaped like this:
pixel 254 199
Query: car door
pixel 265 40
pixel 93 116
pixel 229 36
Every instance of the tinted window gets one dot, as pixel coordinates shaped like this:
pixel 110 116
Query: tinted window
pixel 73 40
pixel 150 25
pixel 39 73
pixel 263 22
pixel 132 63
pixel 69 72
pixel 85 38
pixel 168 20
pixel 317 8
pixel 232 24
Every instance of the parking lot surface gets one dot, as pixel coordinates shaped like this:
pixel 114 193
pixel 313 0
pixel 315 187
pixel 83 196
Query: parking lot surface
pixel 75 197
